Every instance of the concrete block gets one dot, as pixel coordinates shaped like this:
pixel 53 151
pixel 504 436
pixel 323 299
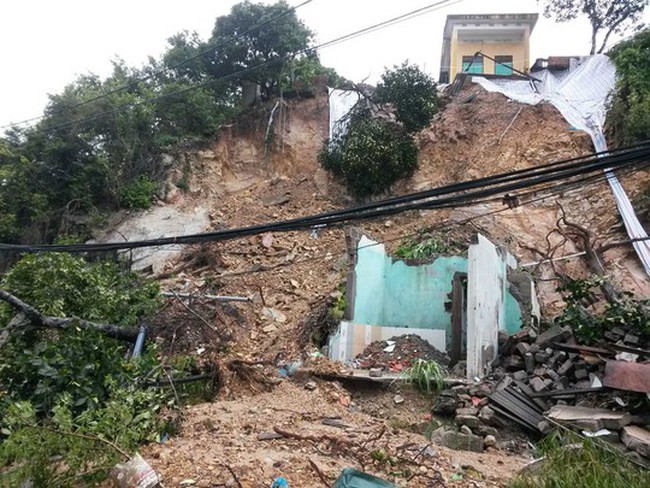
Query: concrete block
pixel 637 439
pixel 565 368
pixel 538 384
pixel 554 334
pixel 462 442
pixel 592 419
pixel 469 420
pixel 529 361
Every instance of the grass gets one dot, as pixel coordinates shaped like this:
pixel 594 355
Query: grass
pixel 426 376
pixel 573 462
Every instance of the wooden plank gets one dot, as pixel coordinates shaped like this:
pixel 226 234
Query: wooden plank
pixel 568 393
pixel 582 349
pixel 633 350
pixel 514 418
pixel 516 408
pixel 542 404
pixel 518 397
pixel 627 376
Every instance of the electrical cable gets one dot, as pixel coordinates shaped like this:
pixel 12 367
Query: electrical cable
pixel 308 50
pixel 412 202
pixel 441 226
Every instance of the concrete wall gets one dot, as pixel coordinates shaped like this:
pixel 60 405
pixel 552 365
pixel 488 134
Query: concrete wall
pixel 519 53
pixel 486 305
pixel 393 293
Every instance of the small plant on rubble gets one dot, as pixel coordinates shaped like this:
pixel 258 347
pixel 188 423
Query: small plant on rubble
pixel 425 376
pixel 425 246
pixel 588 326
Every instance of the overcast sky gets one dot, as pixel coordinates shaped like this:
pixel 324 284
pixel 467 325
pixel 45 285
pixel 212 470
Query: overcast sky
pixel 44 44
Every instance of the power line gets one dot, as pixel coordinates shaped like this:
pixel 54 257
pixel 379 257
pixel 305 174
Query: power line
pixel 308 50
pixel 162 71
pixel 464 193
pixel 587 181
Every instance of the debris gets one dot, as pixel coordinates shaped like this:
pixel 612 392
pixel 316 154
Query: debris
pixel 458 441
pixel 468 420
pixel 464 429
pixel 399 352
pixel 627 376
pixel 135 473
pixel 274 315
pixel 554 334
pixel 592 419
pixel 445 404
pixel 375 372
pixel 280 483
pixel 268 436
pixel 398 399
pixel 637 439
pixel 516 405
pixel 351 478
pixel 490 441
pixel 311 385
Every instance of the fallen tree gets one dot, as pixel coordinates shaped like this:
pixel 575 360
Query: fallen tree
pixel 37 319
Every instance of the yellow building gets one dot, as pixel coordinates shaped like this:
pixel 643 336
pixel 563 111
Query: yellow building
pixel 503 37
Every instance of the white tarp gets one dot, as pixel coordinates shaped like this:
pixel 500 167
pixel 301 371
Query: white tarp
pixel 340 102
pixel 580 94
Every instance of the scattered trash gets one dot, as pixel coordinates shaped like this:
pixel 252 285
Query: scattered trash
pixel 352 478
pixel 135 473
pixel 280 483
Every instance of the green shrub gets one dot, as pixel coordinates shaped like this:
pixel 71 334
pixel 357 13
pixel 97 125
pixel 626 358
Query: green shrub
pixel 573 462
pixel 412 94
pixel 589 327
pixel 426 376
pixel 138 193
pixel 63 390
pixel 426 246
pixel 371 156
pixel 629 112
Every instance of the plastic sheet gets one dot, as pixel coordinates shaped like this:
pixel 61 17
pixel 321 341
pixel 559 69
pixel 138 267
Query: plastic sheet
pixel 580 94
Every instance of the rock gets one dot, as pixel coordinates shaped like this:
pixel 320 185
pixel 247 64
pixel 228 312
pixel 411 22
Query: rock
pixel 541 357
pixel 566 367
pixel 490 441
pixel 538 384
pixel 274 315
pixel 592 419
pixel 529 361
pixel 423 469
pixel 464 429
pixel 554 334
pixel 522 348
pixel 269 328
pixel 485 430
pixel 445 404
pixel 534 348
pixel 268 436
pixel 486 415
pixel 469 420
pixel 398 399
pixel 513 363
pixel 631 339
pixel 462 442
pixel 375 372
pixel 311 385
pixel 637 439
pixel 467 411
pixel 581 374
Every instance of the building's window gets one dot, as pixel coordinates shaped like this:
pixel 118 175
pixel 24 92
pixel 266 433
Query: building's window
pixel 473 64
pixel 503 65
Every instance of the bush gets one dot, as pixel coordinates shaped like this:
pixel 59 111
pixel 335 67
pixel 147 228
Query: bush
pixel 629 112
pixel 138 193
pixel 589 327
pixel 62 391
pixel 412 94
pixel 371 156
pixel 582 463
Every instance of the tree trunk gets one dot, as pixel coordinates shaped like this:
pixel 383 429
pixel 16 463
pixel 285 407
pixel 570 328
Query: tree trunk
pixel 594 31
pixel 40 320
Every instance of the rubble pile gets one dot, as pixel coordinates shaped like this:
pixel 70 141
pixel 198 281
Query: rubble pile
pixel 544 380
pixel 397 353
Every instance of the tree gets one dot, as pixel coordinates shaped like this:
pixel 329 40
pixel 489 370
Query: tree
pixel 608 16
pixel 628 118
pixel 275 42
pixel 371 156
pixel 412 93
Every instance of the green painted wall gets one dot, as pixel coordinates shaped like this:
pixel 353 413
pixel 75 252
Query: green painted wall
pixel 391 292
